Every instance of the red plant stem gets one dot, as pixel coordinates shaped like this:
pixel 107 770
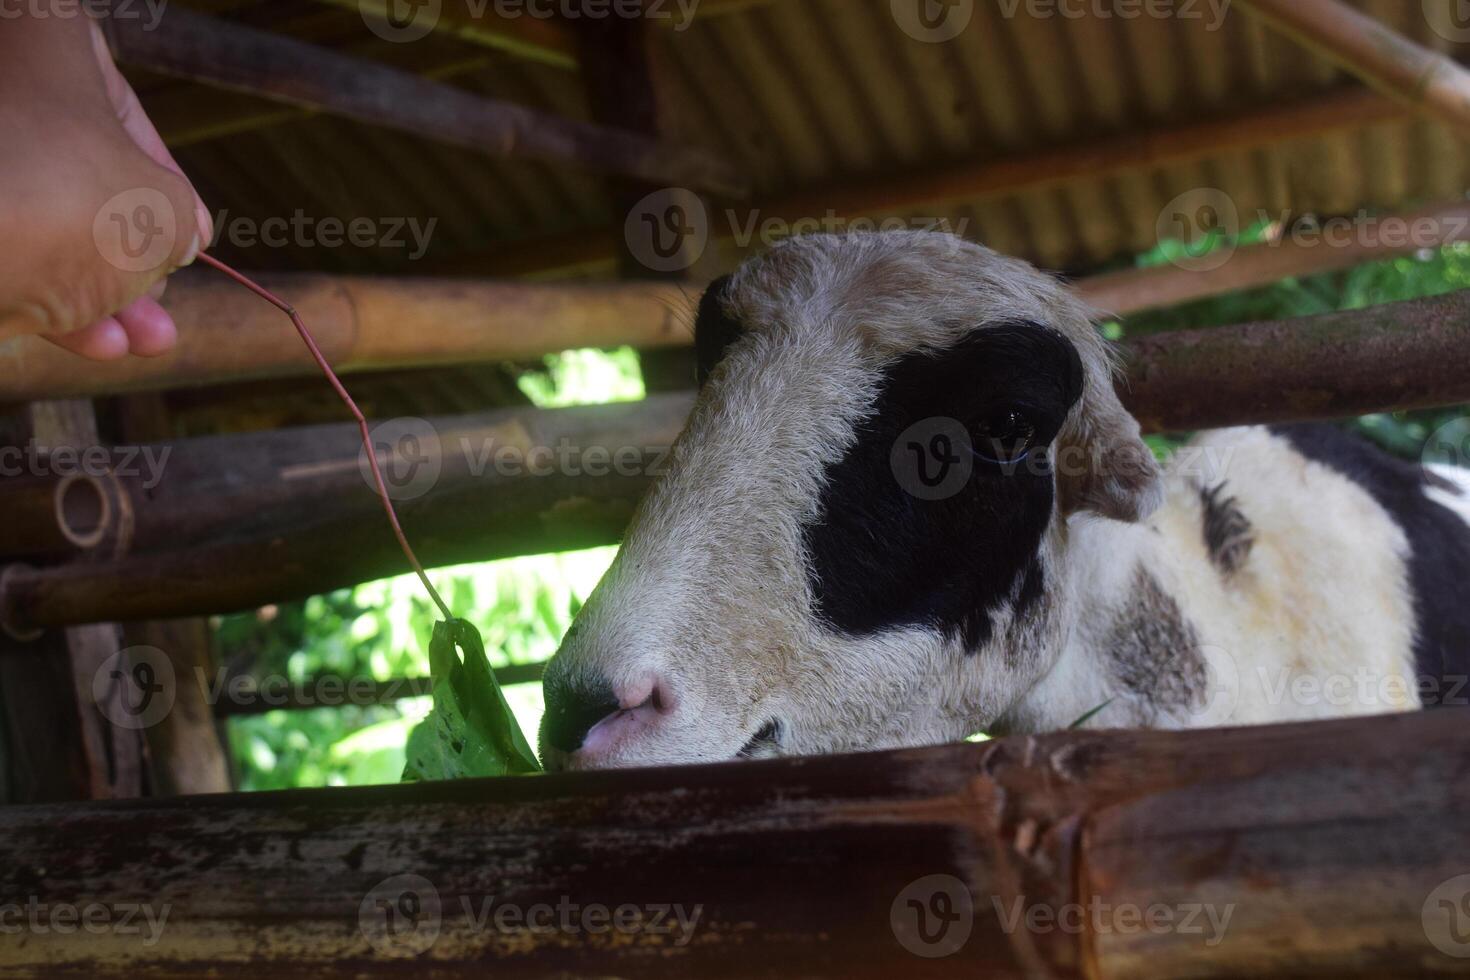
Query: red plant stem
pixel 367 438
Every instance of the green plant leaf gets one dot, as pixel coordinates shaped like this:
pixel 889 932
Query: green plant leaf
pixel 470 732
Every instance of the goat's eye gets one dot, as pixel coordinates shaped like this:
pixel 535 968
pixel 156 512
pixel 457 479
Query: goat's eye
pixel 1005 436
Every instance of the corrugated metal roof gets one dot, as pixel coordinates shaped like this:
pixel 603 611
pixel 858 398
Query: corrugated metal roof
pixel 805 94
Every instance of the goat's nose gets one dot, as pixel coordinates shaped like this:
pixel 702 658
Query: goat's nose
pixel 572 710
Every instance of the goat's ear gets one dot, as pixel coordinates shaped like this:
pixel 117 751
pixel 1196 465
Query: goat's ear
pixel 1106 468
pixel 714 329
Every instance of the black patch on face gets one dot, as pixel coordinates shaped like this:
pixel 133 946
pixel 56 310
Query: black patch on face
pixel 1229 535
pixel 882 557
pixel 714 329
pixel 1439 550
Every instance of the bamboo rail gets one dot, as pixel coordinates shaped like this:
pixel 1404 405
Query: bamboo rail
pixel 1098 855
pixel 289 515
pixel 226 334
pixel 366 323
pixel 1431 82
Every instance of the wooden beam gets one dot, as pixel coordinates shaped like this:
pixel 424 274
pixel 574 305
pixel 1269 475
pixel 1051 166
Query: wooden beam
pixel 1235 852
pixel 228 334
pixel 1431 82
pixel 1389 358
pixel 232 56
pixel 370 324
pixel 289 515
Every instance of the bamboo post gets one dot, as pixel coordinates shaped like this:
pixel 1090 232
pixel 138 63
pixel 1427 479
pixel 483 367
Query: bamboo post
pixel 1431 82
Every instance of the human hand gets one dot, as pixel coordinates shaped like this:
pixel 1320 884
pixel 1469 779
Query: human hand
pixel 94 210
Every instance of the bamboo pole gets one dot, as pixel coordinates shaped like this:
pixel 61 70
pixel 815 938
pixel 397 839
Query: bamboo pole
pixel 362 323
pixel 1244 852
pixel 367 323
pixel 1431 82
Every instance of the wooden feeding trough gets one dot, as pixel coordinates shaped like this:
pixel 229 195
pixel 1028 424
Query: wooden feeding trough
pixel 1332 849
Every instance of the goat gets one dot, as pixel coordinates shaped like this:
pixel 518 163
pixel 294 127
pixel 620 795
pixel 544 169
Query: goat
pixel 909 506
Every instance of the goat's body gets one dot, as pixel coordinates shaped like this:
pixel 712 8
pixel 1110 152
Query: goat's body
pixel 1291 574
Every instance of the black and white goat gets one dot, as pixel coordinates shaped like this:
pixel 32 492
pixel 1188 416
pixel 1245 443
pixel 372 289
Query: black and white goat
pixel 909 506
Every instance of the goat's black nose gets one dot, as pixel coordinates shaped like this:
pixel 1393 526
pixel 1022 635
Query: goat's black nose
pixel 571 711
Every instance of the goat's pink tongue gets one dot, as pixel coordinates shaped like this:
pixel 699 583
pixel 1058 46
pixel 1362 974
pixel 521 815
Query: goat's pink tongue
pixel 617 728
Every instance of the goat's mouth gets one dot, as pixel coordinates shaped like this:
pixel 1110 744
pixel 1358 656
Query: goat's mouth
pixel 763 744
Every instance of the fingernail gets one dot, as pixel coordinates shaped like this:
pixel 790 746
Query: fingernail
pixel 193 252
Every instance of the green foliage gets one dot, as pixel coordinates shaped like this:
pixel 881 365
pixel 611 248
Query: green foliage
pixel 1429 273
pixel 381 630
pixel 471 731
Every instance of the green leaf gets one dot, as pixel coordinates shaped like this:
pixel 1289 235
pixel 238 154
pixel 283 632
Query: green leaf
pixel 470 732
pixel 1090 715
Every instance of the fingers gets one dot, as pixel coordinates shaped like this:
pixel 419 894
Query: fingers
pixel 103 341
pixel 143 329
pixel 150 329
